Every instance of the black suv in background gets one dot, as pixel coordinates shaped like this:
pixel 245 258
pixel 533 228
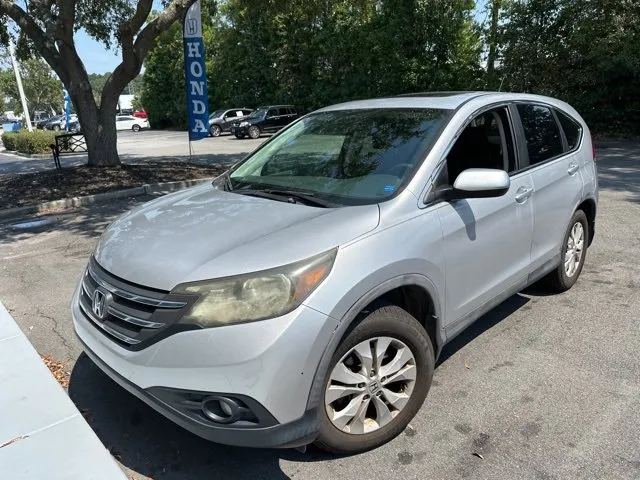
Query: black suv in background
pixel 265 120
pixel 221 120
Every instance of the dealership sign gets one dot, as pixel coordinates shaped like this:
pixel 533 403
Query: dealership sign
pixel 196 74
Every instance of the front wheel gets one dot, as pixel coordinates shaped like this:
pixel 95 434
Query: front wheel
pixel 136 128
pixel 254 132
pixel 377 381
pixel 574 251
pixel 56 128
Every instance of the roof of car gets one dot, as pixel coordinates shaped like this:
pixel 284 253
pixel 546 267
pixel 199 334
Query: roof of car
pixel 441 100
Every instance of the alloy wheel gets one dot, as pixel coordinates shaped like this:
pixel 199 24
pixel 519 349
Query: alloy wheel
pixel 575 246
pixel 370 385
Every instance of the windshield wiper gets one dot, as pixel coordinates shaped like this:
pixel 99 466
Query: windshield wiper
pixel 290 196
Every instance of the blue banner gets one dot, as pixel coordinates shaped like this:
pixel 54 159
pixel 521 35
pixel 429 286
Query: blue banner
pixel 196 74
pixel 67 108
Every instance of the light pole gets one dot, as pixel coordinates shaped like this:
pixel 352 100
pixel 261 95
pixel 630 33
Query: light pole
pixel 16 69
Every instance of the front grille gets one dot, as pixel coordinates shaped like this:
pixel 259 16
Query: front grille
pixel 132 315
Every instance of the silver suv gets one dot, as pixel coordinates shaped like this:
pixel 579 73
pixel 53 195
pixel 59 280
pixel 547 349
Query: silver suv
pixel 305 296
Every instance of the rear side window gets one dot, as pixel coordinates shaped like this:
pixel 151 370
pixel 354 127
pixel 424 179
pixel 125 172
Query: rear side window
pixel 541 132
pixel 572 129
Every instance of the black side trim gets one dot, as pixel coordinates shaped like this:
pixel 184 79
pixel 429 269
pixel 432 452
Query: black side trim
pixel 300 432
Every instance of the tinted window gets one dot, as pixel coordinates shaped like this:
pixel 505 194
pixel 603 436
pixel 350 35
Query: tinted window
pixel 273 112
pixel 572 129
pixel 246 112
pixel 349 157
pixel 230 114
pixel 541 133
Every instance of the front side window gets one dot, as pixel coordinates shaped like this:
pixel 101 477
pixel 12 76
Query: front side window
pixel 486 142
pixel 541 132
pixel 349 157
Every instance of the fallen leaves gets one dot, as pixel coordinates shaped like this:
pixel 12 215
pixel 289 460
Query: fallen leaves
pixel 466 365
pixel 57 370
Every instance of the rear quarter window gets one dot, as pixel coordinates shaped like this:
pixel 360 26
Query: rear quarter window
pixel 571 128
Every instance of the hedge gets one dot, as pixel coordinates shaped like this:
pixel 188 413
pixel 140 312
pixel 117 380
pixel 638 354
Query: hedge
pixel 27 142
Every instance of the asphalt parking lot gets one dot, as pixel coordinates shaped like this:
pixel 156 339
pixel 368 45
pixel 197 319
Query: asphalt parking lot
pixel 543 387
pixel 156 145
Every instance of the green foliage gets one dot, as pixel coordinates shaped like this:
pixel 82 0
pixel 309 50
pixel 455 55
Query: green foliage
pixel 587 53
pixel 9 140
pixel 41 86
pixel 27 142
pixel 163 88
pixel 318 52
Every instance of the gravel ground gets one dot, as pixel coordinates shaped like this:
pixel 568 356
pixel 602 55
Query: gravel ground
pixel 542 387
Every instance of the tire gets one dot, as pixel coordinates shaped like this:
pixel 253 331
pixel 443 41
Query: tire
pixel 56 128
pixel 254 132
pixel 394 327
pixel 562 278
pixel 135 128
pixel 215 130
pixel 239 136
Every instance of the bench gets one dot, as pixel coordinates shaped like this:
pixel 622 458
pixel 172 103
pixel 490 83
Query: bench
pixel 67 144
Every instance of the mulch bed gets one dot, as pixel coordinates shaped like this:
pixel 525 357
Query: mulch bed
pixel 34 188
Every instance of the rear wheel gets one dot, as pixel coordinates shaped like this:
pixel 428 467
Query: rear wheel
pixel 377 381
pixel 574 251
pixel 56 128
pixel 239 136
pixel 254 132
pixel 215 130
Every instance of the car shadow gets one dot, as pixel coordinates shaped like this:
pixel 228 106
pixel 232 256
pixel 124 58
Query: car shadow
pixel 149 444
pixel 483 324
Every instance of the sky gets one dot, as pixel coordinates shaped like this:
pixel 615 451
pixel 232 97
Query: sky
pixel 97 59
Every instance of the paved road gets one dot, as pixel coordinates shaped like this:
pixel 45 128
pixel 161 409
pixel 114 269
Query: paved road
pixel 149 145
pixel 543 387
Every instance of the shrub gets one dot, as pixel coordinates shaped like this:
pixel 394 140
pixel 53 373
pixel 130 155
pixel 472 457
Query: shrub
pixel 9 140
pixel 27 142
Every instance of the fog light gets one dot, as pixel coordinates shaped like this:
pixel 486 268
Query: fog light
pixel 222 409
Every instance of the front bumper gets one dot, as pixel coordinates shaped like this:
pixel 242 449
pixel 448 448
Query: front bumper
pixel 271 364
pixel 293 434
pixel 244 130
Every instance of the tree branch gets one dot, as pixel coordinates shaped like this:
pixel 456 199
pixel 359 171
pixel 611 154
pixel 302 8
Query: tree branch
pixel 42 42
pixel 142 13
pixel 134 53
pixel 146 37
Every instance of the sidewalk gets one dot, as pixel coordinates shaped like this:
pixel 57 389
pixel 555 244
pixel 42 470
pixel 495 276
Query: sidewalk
pixel 42 433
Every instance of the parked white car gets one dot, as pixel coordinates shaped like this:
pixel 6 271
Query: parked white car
pixel 128 122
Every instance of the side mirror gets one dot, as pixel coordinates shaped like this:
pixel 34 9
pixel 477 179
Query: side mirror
pixel 481 183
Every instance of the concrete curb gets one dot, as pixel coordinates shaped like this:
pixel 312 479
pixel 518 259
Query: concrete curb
pixel 43 434
pixel 68 203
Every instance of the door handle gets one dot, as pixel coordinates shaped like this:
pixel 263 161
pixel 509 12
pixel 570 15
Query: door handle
pixel 523 193
pixel 573 168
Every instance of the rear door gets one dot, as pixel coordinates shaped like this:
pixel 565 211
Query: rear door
pixel 554 167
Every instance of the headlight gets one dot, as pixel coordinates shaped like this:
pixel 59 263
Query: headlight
pixel 244 124
pixel 255 296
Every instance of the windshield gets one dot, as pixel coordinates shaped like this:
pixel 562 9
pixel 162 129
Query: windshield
pixel 259 113
pixel 349 157
pixel 216 114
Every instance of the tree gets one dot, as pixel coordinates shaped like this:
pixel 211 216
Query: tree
pixel 41 87
pixel 587 53
pixel 49 25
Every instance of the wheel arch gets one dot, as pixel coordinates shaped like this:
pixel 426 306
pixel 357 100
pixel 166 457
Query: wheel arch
pixel 589 207
pixel 414 293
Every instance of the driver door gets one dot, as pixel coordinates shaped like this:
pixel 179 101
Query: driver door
pixel 487 240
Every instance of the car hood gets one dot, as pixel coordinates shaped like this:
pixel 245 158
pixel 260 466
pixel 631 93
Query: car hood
pixel 203 233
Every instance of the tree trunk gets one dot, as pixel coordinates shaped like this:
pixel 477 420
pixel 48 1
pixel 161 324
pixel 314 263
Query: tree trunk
pixel 98 126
